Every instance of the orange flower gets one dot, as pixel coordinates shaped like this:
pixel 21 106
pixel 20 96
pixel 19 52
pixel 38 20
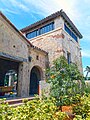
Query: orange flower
pixel 53 76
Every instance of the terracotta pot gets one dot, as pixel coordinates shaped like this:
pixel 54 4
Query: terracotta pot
pixel 67 109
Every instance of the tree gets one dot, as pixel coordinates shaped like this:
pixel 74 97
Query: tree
pixel 65 80
pixel 88 71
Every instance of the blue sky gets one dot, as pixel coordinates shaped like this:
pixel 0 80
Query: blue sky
pixel 25 12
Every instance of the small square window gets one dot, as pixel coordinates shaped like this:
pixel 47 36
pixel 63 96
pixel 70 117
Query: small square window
pixel 68 57
pixel 37 57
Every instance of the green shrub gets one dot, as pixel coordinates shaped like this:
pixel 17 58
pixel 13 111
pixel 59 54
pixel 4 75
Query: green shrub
pixel 36 109
pixel 87 88
pixel 66 80
pixel 83 107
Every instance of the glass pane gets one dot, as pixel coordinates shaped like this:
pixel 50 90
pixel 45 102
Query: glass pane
pixel 74 37
pixel 50 27
pixel 67 30
pixel 70 33
pixel 37 32
pixel 41 30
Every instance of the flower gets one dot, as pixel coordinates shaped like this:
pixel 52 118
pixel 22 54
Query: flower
pixel 53 76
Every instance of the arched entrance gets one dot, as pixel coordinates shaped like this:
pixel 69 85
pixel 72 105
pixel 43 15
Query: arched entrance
pixel 35 77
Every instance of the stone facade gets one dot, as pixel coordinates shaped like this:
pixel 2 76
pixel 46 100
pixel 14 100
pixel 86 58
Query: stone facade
pixel 10 41
pixel 58 43
pixel 13 47
pixel 34 55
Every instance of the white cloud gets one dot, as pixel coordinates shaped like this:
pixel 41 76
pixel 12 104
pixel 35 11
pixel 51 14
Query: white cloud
pixel 86 38
pixel 13 6
pixel 8 11
pixel 19 4
pixel 87 1
pixel 86 53
pixel 47 7
pixel 43 7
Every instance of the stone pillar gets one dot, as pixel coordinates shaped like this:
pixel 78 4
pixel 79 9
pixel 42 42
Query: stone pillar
pixel 23 80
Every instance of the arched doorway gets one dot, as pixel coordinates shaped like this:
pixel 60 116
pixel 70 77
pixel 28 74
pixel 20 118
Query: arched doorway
pixel 35 77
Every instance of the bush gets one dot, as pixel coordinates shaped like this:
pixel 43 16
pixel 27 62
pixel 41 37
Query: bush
pixel 36 109
pixel 87 88
pixel 66 81
pixel 83 108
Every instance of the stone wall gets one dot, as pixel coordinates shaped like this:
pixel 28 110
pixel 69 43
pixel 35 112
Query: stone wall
pixel 57 43
pixel 58 22
pixel 50 42
pixel 73 47
pixel 40 63
pixel 11 42
pixel 13 47
pixel 25 70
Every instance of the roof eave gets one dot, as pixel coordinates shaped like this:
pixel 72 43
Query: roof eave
pixel 51 17
pixel 63 14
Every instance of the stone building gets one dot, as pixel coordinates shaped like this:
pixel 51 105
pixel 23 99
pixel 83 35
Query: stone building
pixel 26 53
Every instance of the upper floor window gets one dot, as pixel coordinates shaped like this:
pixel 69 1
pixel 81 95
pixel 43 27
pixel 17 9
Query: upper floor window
pixel 68 57
pixel 40 31
pixel 70 33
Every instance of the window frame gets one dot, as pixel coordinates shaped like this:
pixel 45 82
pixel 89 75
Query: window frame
pixel 44 29
pixel 70 32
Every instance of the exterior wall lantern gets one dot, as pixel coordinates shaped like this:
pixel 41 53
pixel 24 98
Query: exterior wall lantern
pixel 29 58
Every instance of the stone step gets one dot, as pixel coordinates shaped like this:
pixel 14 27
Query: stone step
pixel 17 104
pixel 17 100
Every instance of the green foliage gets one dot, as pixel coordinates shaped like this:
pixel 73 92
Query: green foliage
pixel 88 71
pixel 36 109
pixel 75 99
pixel 83 108
pixel 65 80
pixel 87 88
pixel 78 117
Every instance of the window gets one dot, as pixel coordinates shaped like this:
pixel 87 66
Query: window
pixel 67 30
pixel 37 57
pixel 74 37
pixel 46 28
pixel 40 31
pixel 70 33
pixel 68 57
pixel 32 34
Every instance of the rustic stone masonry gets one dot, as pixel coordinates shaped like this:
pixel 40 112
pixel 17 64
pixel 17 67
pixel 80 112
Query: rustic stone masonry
pixel 57 42
pixel 14 47
pixel 33 56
